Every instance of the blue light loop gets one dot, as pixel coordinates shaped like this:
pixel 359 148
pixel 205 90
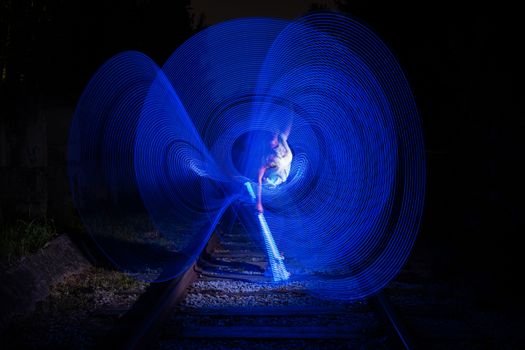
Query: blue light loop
pixel 158 154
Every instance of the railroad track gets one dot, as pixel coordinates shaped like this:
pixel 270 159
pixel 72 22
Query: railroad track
pixel 227 299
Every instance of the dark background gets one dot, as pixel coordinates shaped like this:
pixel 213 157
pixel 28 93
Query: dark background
pixel 461 63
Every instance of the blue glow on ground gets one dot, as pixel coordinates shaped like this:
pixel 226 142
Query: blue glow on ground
pixel 156 154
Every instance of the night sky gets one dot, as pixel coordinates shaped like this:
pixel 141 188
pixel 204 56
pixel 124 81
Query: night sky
pixel 460 62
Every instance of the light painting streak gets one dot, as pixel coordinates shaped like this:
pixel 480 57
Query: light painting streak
pixel 157 154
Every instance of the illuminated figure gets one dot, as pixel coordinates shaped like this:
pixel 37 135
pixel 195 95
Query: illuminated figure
pixel 276 165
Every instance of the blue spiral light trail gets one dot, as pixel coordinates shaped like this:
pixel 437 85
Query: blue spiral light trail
pixel 158 154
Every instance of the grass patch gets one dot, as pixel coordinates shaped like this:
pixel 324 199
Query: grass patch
pixel 24 237
pixel 94 288
pixel 73 315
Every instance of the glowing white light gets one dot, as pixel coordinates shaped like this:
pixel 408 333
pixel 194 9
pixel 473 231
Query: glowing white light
pixel 198 170
pixel 276 260
pixel 250 190
pixel 279 271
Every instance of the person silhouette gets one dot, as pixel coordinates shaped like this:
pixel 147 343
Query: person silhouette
pixel 275 166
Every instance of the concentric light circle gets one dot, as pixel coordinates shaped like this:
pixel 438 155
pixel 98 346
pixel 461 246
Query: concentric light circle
pixel 158 154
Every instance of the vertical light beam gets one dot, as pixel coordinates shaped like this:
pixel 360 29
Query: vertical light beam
pixel 279 271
